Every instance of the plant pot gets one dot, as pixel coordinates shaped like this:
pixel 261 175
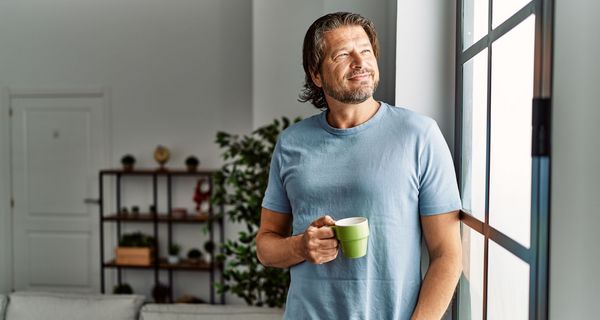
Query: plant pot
pixel 173 259
pixel 131 256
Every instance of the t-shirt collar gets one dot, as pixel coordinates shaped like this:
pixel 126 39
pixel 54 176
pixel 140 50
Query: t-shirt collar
pixel 348 131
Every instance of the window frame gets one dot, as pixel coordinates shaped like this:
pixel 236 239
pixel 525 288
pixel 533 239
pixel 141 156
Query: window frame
pixel 537 255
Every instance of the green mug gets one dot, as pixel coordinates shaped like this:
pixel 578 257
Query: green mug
pixel 353 235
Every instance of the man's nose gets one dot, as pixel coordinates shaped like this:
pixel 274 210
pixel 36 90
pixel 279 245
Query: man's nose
pixel 357 60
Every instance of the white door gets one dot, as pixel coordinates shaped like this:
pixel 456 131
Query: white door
pixel 57 150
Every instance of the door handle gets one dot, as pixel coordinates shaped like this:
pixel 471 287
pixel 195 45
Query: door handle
pixel 91 201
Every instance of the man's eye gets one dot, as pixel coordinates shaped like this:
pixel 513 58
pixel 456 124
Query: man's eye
pixel 341 55
pixel 366 51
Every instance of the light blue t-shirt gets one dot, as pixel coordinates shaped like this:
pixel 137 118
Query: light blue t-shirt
pixel 391 169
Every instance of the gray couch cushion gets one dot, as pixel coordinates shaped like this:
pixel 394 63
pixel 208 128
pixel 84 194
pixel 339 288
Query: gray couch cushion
pixel 62 306
pixel 208 312
pixel 3 302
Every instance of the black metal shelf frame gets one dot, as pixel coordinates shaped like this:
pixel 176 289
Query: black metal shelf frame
pixel 169 221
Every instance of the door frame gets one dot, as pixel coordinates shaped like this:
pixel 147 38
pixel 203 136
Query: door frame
pixel 7 94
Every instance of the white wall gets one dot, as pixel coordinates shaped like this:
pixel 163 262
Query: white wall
pixel 574 236
pixel 178 71
pixel 425 60
pixel 279 28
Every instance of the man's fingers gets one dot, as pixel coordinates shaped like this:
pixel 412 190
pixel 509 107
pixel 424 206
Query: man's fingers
pixel 324 233
pixel 324 256
pixel 328 244
pixel 319 233
pixel 329 255
pixel 323 221
pixel 315 243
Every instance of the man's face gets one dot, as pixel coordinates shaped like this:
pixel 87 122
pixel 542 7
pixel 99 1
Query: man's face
pixel 349 72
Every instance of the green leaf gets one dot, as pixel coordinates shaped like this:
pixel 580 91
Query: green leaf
pixel 240 187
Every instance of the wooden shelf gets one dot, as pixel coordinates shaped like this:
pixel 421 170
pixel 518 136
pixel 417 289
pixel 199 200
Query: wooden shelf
pixel 149 217
pixel 158 178
pixel 184 264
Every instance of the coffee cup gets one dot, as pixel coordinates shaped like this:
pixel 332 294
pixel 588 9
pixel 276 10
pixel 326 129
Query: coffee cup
pixel 353 235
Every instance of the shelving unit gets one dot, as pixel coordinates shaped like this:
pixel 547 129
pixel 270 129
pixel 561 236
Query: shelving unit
pixel 157 219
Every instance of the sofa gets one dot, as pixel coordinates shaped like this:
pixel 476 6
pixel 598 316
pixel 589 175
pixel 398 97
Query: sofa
pixel 65 306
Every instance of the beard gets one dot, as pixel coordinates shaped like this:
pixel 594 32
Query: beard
pixel 351 96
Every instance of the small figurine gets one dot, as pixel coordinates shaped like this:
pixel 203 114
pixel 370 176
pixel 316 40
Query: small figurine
pixel 201 195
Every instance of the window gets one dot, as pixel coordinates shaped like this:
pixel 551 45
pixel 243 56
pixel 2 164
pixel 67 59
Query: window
pixel 503 86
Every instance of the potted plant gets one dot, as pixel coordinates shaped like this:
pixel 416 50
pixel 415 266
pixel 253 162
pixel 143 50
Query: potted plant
pixel 192 163
pixel 194 255
pixel 174 253
pixel 135 211
pixel 135 249
pixel 209 248
pixel 128 161
pixel 160 293
pixel 123 288
pixel 240 186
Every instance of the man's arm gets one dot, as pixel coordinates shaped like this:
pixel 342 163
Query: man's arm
pixel 275 247
pixel 442 236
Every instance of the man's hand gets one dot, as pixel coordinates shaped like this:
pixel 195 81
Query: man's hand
pixel 276 248
pixel 318 244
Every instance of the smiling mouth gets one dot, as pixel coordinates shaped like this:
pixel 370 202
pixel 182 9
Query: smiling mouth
pixel 359 76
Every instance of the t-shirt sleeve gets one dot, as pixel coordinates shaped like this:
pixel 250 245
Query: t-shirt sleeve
pixel 275 196
pixel 438 190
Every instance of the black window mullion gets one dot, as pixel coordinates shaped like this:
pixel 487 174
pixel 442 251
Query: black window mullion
pixel 495 34
pixel 486 240
pixel 525 254
pixel 513 21
pixel 474 49
pixel 458 97
pixel 541 146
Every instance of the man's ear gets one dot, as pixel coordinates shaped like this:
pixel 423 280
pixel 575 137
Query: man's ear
pixel 316 78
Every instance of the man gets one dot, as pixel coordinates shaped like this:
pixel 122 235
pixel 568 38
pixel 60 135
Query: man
pixel 359 157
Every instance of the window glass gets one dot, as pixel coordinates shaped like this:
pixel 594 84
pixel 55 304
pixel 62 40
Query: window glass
pixel 508 285
pixel 474 135
pixel 471 280
pixel 504 9
pixel 510 132
pixel 475 21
